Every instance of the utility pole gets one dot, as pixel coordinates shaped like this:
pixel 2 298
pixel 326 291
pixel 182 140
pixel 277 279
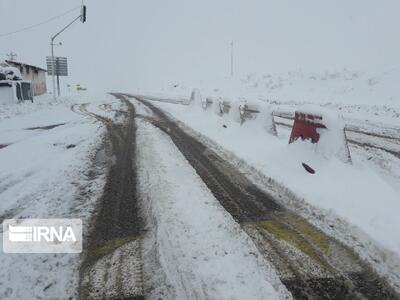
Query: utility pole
pixel 11 55
pixel 232 59
pixel 53 69
pixel 58 76
pixel 82 17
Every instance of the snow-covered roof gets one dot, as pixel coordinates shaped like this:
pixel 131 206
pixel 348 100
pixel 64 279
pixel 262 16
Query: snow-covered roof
pixel 16 63
pixel 10 73
pixel 3 64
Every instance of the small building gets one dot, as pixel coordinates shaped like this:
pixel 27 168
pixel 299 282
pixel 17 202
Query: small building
pixel 31 73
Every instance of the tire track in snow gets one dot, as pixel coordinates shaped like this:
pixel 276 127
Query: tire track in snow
pixel 111 268
pixel 193 248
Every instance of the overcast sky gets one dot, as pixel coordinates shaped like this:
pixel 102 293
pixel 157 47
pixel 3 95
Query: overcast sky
pixel 127 44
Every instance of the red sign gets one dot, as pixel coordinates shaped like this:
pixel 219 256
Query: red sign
pixel 305 127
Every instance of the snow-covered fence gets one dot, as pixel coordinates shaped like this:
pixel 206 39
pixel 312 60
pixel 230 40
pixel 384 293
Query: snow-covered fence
pixel 359 135
pixel 206 102
pixel 224 106
pixel 248 111
pixel 241 111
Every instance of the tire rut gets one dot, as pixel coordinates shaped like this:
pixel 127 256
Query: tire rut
pixel 311 264
pixel 111 266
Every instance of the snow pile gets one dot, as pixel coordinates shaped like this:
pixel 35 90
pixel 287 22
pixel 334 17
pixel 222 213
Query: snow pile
pixel 236 110
pixel 333 140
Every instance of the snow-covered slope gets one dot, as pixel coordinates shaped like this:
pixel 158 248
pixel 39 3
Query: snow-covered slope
pixel 342 87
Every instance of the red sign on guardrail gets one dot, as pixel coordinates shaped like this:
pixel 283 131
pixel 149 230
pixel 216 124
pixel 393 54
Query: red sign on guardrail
pixel 305 127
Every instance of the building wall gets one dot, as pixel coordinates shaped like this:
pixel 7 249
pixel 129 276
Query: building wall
pixel 39 83
pixel 36 76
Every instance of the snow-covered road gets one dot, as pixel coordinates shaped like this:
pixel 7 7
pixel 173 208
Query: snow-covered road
pixel 167 212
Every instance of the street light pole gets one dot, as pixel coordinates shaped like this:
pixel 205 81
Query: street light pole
pixel 82 17
pixel 53 68
pixel 54 65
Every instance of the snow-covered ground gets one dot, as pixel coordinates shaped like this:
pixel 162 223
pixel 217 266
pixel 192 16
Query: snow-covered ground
pixel 342 87
pixel 42 172
pixel 358 193
pixel 46 152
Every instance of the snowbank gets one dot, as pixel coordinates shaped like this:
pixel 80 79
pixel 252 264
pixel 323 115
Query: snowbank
pixel 239 111
pixel 354 192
